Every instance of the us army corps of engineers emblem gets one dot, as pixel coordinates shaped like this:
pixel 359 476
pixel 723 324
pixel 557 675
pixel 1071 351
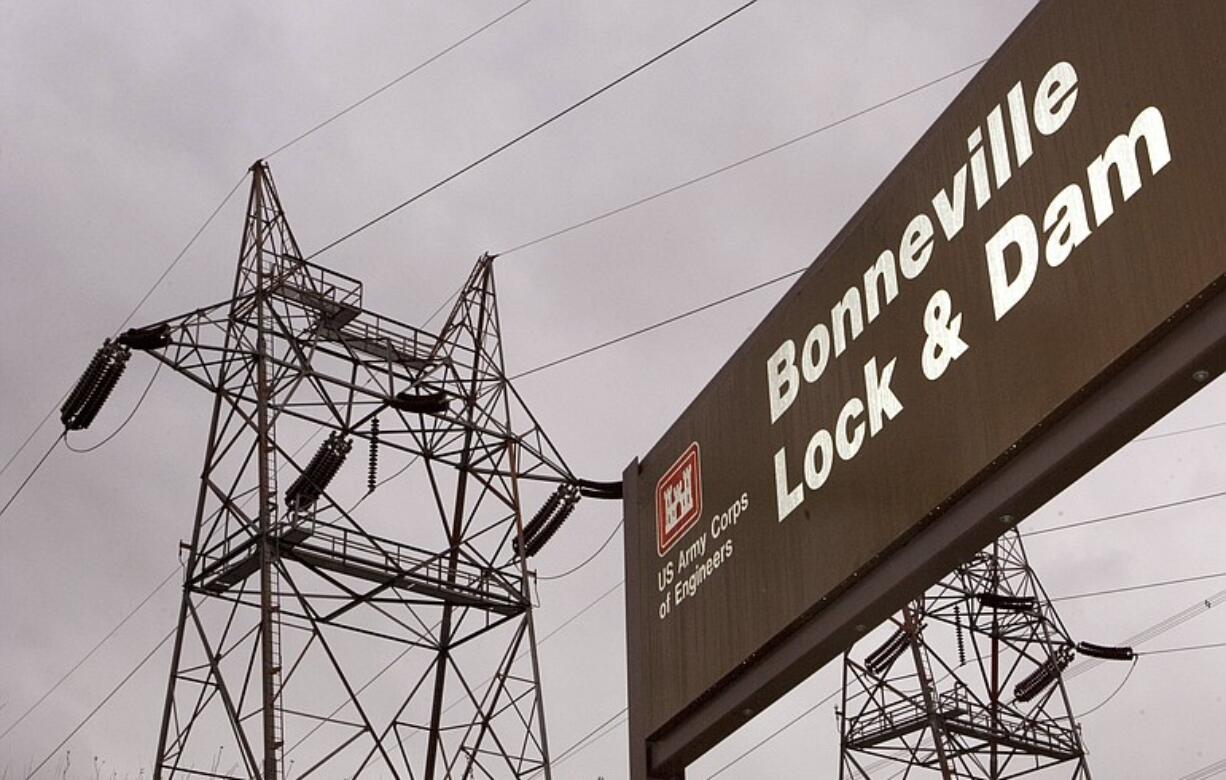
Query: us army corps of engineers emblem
pixel 678 499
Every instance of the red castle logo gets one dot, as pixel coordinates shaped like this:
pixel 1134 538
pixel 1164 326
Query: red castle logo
pixel 678 499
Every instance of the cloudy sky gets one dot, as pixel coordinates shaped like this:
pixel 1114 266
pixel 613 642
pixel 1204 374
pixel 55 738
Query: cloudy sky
pixel 124 124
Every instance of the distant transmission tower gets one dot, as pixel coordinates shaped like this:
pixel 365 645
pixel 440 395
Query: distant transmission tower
pixel 968 683
pixel 293 603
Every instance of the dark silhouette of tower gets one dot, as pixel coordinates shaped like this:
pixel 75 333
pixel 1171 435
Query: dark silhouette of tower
pixel 967 684
pixel 334 622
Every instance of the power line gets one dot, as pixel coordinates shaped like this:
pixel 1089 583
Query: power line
pixel 30 476
pixel 1196 429
pixel 157 283
pixel 711 174
pixel 1184 649
pixel 88 655
pixel 182 252
pixel 421 65
pixel 100 705
pixel 590 558
pixel 1147 586
pixel 613 721
pixel 654 326
pixel 1204 773
pixel 775 733
pixel 1132 667
pixel 157 369
pixel 738 163
pixel 33 433
pixel 1154 631
pixel 535 128
pixel 1130 513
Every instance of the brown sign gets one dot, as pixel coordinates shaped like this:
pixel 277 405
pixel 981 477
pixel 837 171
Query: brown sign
pixel 1063 217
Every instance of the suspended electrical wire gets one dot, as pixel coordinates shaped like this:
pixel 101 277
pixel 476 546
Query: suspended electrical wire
pixel 100 705
pixel 657 325
pixel 88 655
pixel 1184 649
pixel 1204 773
pixel 534 129
pixel 1127 676
pixel 411 71
pixel 586 740
pixel 711 174
pixel 1147 586
pixel 1168 434
pixel 128 419
pixel 30 476
pixel 1130 513
pixel 612 535
pixel 742 161
pixel 157 283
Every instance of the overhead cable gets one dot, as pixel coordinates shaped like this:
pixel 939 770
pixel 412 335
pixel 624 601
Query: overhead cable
pixel 100 705
pixel 586 740
pixel 157 283
pixel 1204 773
pixel 30 476
pixel 419 66
pixel 738 163
pixel 1147 586
pixel 127 419
pixel 530 131
pixel 656 325
pixel 589 559
pixel 88 655
pixel 1130 513
pixel 1184 649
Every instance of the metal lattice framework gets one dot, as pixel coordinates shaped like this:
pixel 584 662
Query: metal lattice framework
pixel 967 684
pixel 295 599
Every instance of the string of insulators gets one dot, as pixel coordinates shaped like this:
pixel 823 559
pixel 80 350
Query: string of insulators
pixel 434 402
pixel 314 479
pixel 1105 652
pixel 1047 673
pixel 961 637
pixel 549 518
pixel 545 512
pixel 147 338
pixel 1007 603
pixel 372 473
pixel 880 660
pixel 94 386
pixel 610 491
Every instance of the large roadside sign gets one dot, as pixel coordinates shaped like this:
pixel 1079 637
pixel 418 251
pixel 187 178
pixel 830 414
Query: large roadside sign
pixel 1039 279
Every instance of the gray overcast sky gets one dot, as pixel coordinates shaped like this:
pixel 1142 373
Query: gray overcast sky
pixel 124 123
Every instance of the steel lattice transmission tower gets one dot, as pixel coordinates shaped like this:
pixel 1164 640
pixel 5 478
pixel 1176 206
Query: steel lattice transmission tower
pixel 294 600
pixel 967 684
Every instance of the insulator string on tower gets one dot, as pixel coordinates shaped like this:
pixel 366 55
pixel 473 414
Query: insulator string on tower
pixel 1047 673
pixel 147 338
pixel 549 518
pixel 1106 652
pixel 961 637
pixel 94 386
pixel 880 660
pixel 314 479
pixel 434 402
pixel 1006 602
pixel 372 473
